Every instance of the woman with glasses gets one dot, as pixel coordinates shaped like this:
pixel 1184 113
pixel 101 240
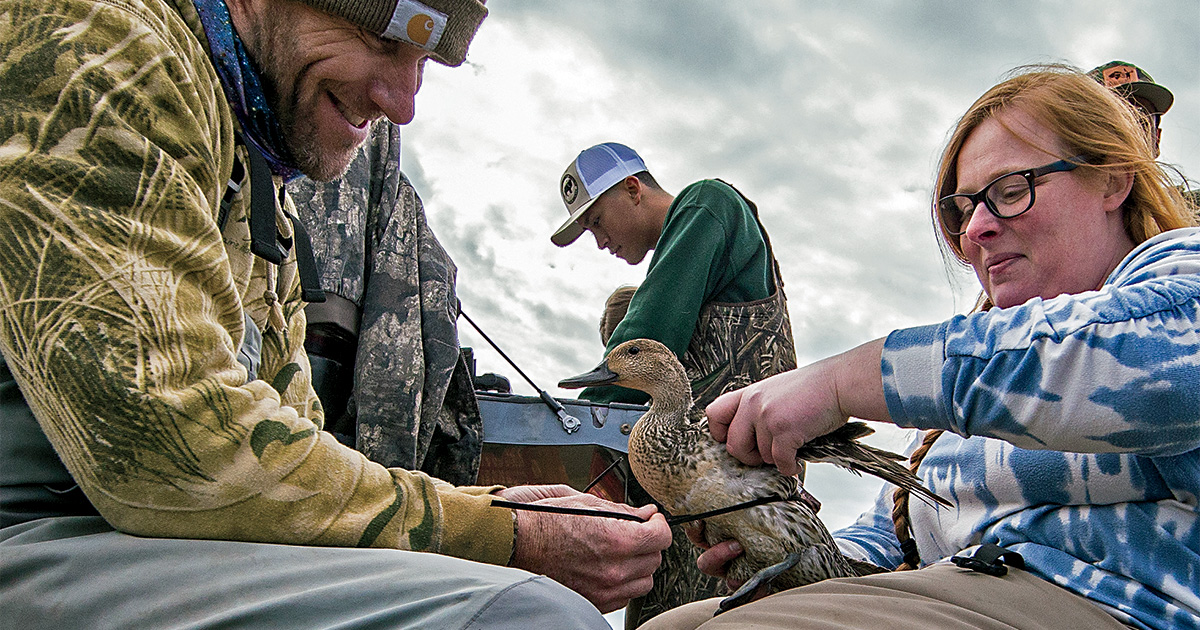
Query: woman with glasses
pixel 1062 417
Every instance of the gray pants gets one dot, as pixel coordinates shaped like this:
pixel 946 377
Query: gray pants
pixel 939 597
pixel 77 572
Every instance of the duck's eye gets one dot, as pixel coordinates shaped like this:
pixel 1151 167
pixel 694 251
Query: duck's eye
pixel 634 350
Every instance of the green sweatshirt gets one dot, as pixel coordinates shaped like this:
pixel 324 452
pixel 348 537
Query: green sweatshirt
pixel 710 250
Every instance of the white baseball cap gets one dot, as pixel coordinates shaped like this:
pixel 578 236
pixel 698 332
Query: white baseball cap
pixel 594 171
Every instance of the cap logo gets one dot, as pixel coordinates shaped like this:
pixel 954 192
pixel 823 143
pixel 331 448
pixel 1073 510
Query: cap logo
pixel 570 188
pixel 420 27
pixel 1120 75
pixel 417 24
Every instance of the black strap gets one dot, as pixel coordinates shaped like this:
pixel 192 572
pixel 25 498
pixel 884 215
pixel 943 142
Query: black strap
pixel 671 520
pixel 912 557
pixel 264 240
pixel 990 559
pixel 306 265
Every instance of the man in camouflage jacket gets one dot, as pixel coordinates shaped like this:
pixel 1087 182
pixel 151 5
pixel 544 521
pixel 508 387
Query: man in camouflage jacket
pixel 155 397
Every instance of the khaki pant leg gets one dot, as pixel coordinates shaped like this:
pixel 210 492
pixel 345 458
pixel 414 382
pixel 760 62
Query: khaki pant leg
pixel 939 597
pixel 77 573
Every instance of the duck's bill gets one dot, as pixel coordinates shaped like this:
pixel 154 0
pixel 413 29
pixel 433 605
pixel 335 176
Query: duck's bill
pixel 599 376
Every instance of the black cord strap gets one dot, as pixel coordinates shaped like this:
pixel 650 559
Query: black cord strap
pixel 558 509
pixel 688 518
pixel 671 520
pixel 601 475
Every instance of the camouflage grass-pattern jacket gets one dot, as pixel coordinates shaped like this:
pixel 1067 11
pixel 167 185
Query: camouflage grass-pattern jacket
pixel 122 306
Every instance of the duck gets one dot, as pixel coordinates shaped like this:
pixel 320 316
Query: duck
pixel 674 457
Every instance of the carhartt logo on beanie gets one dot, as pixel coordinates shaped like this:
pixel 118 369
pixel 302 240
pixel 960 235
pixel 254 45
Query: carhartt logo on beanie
pixel 443 27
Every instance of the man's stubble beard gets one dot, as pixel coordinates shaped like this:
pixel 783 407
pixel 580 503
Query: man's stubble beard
pixel 299 131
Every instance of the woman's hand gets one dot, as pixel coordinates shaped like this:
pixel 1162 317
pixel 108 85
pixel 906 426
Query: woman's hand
pixel 768 421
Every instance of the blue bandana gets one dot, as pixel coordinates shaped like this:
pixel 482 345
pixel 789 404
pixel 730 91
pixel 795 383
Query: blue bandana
pixel 243 88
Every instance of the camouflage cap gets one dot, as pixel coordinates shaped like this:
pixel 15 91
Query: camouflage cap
pixel 1129 80
pixel 443 27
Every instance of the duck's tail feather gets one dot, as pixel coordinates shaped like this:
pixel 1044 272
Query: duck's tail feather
pixel 842 449
pixel 862 567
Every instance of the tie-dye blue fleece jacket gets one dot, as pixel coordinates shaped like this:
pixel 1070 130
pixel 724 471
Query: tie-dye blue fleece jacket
pixel 1073 436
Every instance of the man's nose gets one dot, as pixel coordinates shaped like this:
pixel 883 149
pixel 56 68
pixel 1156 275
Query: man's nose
pixel 398 80
pixel 601 239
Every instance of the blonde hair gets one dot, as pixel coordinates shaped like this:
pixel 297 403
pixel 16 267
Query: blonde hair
pixel 615 308
pixel 1093 123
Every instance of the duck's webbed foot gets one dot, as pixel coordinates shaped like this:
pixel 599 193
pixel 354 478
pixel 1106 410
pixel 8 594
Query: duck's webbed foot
pixel 749 589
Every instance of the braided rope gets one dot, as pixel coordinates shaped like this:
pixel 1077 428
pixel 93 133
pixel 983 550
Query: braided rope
pixel 900 520
pixel 908 546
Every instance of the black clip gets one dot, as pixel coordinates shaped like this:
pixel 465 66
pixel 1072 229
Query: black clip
pixel 909 550
pixel 996 568
pixel 990 559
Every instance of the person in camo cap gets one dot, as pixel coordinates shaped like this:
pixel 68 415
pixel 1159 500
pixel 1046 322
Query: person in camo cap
pixel 1149 99
pixel 164 463
pixel 1138 88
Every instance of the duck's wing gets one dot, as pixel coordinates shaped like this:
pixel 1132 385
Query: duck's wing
pixel 722 481
pixel 841 448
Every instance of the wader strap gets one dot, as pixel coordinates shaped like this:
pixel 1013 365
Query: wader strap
pixel 264 237
pixel 264 241
pixel 306 265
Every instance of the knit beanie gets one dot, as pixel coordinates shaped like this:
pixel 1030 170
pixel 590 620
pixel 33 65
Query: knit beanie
pixel 443 27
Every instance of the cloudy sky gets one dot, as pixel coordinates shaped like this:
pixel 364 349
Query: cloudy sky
pixel 829 114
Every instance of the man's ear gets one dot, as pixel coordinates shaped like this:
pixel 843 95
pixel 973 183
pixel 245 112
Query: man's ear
pixel 633 186
pixel 1117 188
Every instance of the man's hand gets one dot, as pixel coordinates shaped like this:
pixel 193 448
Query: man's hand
pixel 609 561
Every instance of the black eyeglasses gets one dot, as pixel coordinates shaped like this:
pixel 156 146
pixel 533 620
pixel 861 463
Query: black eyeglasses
pixel 1007 196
